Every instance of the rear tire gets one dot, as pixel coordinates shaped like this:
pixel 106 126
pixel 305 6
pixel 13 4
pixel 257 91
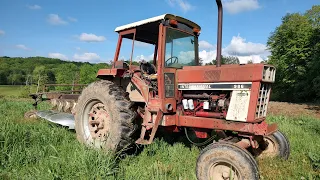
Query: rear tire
pixel 225 160
pixel 104 117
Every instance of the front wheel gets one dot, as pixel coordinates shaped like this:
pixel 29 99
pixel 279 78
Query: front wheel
pixel 225 160
pixel 274 145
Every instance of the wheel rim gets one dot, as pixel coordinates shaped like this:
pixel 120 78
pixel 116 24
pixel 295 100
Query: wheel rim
pixel 224 171
pixel 96 121
pixel 272 148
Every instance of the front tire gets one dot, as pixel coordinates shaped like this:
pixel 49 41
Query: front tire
pixel 225 160
pixel 275 145
pixel 104 117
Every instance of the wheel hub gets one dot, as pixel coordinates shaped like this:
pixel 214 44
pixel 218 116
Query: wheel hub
pixel 271 149
pixel 223 171
pixel 98 121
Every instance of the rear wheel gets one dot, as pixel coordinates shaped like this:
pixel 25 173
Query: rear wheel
pixel 225 160
pixel 105 117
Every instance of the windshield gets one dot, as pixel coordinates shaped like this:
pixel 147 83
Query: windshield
pixel 180 49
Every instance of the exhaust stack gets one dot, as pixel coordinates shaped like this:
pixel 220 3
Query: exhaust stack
pixel 219 39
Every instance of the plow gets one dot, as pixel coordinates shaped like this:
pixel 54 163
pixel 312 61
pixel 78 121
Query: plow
pixel 62 102
pixel 224 106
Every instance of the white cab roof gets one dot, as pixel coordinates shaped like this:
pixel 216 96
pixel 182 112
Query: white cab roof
pixel 155 19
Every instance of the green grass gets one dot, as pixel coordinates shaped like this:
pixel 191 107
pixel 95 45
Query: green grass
pixel 16 90
pixel 35 149
pixel 8 90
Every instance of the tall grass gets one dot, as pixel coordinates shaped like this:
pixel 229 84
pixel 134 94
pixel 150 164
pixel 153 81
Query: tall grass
pixel 36 149
pixel 41 150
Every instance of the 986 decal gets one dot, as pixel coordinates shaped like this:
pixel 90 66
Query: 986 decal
pixel 238 86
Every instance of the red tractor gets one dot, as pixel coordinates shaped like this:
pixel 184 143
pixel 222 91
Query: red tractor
pixel 131 103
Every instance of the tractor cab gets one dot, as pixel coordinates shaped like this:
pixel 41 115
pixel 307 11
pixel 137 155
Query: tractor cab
pixel 175 40
pixel 176 45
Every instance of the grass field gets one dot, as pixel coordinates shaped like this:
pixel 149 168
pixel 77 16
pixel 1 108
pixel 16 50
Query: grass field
pixel 8 90
pixel 16 90
pixel 36 149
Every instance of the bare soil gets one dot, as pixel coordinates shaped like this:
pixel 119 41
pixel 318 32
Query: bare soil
pixel 294 110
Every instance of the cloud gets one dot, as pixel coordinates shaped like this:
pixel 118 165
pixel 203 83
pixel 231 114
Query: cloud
pixel 58 56
pixel 205 45
pixel 239 46
pixel 34 7
pixel 54 19
pixel 72 19
pixel 23 47
pixel 87 57
pixel 183 4
pixel 207 56
pixel 78 48
pixel 91 38
pixel 237 6
pixel 2 32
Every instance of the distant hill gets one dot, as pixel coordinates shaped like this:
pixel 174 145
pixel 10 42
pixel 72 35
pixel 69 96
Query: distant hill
pixel 19 71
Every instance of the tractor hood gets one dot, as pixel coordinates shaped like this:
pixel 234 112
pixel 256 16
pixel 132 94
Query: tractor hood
pixel 226 73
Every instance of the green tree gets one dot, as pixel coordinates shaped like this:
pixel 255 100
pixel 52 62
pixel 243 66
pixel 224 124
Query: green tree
pixel 66 74
pixel 226 60
pixel 87 74
pixel 294 47
pixel 40 75
pixel 15 78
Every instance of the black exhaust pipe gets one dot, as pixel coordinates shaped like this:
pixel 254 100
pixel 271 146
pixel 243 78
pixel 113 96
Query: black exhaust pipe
pixel 219 39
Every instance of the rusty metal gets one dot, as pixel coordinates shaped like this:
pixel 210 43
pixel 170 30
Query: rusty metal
pixel 244 143
pixel 228 73
pixel 219 124
pixel 219 39
pixel 99 121
pixel 210 114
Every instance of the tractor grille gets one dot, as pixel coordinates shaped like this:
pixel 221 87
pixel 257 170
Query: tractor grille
pixel 212 75
pixel 262 104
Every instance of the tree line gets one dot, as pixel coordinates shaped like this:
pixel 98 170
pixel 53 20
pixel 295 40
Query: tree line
pixel 40 70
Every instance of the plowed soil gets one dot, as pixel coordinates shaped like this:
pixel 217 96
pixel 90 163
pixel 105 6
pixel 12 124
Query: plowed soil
pixel 291 109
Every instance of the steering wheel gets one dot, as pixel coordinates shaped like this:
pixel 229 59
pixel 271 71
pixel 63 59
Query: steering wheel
pixel 174 59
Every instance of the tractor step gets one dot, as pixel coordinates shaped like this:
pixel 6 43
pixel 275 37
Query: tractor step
pixel 153 126
pixel 64 119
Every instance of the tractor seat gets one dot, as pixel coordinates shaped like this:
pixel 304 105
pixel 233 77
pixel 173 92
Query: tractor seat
pixel 148 70
pixel 152 77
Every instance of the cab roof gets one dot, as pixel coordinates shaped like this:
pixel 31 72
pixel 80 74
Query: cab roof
pixel 155 20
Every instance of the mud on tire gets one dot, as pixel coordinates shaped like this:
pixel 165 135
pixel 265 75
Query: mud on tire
pixel 225 160
pixel 118 121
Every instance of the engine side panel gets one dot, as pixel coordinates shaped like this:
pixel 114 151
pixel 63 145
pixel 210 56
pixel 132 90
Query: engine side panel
pixel 239 105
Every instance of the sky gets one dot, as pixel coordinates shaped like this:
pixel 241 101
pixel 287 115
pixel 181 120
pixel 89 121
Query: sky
pixel 82 30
